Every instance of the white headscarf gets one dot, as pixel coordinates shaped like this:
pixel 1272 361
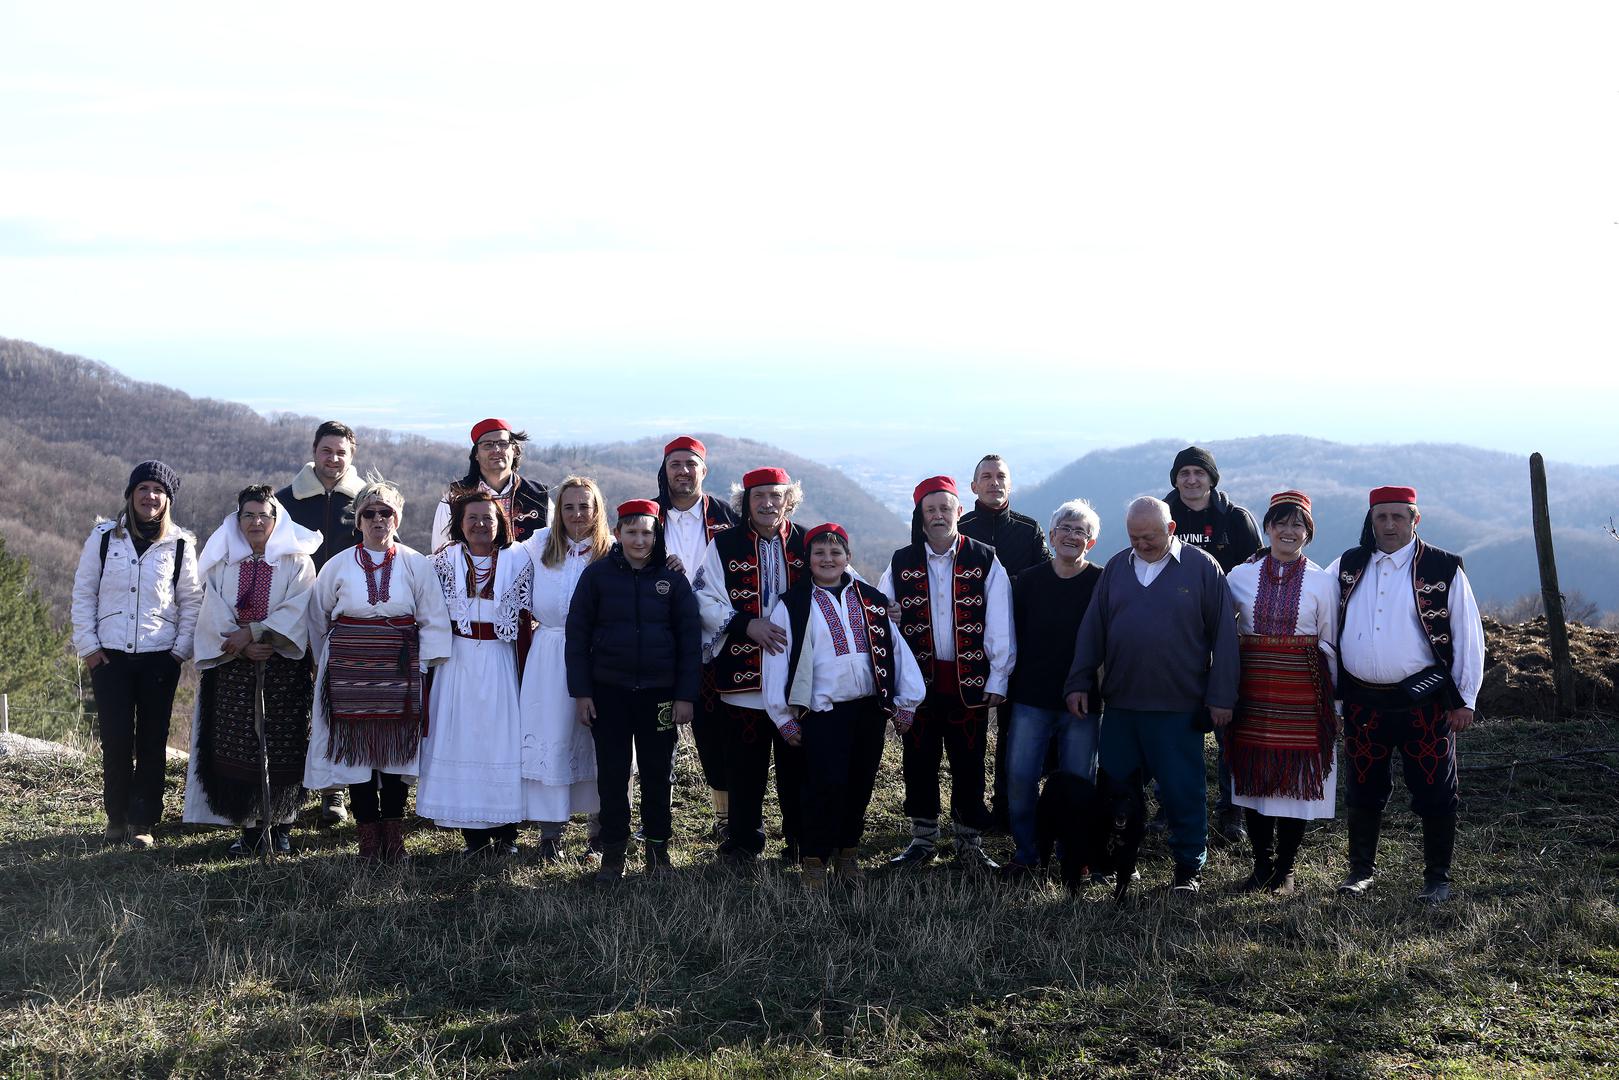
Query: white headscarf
pixel 229 546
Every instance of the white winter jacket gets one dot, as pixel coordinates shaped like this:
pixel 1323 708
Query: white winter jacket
pixel 136 605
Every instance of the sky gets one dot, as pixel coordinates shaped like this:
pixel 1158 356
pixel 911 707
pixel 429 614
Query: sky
pixel 885 235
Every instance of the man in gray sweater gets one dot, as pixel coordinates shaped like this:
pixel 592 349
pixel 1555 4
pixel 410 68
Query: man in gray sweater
pixel 1162 627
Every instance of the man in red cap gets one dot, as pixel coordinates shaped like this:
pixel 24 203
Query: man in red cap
pixel 496 454
pixel 744 573
pixel 691 518
pixel 1410 662
pixel 955 612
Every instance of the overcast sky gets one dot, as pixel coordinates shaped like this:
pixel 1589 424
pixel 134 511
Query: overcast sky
pixel 865 230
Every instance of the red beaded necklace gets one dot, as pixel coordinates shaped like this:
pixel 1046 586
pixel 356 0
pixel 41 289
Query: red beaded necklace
pixel 376 591
pixel 480 583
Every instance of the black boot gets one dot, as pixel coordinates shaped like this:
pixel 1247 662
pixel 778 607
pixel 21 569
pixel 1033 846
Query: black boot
pixel 657 858
pixel 1289 835
pixel 611 870
pixel 1262 832
pixel 1438 843
pixel 1364 825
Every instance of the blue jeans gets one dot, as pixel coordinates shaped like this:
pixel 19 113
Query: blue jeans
pixel 1165 745
pixel 1030 732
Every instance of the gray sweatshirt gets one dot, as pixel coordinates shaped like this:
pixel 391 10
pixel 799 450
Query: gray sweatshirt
pixel 1168 647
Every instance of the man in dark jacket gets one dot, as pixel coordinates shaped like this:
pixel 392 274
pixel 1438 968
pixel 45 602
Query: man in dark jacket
pixel 1207 520
pixel 495 457
pixel 319 495
pixel 317 498
pixel 634 640
pixel 1019 544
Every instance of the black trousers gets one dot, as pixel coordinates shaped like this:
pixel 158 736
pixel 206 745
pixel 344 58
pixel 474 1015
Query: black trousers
pixel 482 838
pixel 1375 725
pixel 750 739
pixel 382 796
pixel 842 751
pixel 708 731
pixel 134 697
pixel 945 727
pixel 627 719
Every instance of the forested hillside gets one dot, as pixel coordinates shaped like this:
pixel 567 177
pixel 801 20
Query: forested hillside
pixel 1473 501
pixel 71 429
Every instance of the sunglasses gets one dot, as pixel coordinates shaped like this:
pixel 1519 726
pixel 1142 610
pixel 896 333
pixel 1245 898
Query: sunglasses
pixel 372 513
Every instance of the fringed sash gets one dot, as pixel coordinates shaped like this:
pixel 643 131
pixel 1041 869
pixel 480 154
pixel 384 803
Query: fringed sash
pixel 373 691
pixel 1281 742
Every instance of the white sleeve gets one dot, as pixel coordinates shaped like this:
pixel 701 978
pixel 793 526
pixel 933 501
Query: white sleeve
pixel 909 688
pixel 1467 666
pixel 1327 631
pixel 188 597
pixel 1000 641
pixel 885 584
pixel 773 672
pixel 713 602
pixel 441 526
pixel 87 597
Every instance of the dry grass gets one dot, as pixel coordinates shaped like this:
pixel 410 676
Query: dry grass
pixel 182 962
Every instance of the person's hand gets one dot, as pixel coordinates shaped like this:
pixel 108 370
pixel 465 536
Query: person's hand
pixel 1079 703
pixel 767 635
pixel 673 562
pixel 1221 717
pixel 993 700
pixel 258 652
pixel 584 710
pixel 681 713
pixel 794 737
pixel 237 641
pixel 95 659
pixel 1459 719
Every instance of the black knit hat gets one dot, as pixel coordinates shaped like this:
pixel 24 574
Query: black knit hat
pixel 156 471
pixel 1195 455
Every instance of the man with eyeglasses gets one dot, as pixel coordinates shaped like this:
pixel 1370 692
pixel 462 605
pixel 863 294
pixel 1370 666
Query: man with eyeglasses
pixel 1019 544
pixel 1048 604
pixel 318 498
pixel 496 454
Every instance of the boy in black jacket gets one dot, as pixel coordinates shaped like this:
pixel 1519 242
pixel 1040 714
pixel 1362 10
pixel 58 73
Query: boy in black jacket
pixel 633 643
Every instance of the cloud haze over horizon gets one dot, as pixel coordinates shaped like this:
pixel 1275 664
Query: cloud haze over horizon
pixel 1044 229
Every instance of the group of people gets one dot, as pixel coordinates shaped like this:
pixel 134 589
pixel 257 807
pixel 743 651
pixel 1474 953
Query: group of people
pixel 547 650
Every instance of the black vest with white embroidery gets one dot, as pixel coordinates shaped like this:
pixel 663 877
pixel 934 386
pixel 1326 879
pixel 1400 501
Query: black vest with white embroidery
pixel 737 665
pixel 872 638
pixel 1433 572
pixel 909 575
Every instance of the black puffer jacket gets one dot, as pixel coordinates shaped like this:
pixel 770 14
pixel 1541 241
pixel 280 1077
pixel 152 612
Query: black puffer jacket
pixel 637 629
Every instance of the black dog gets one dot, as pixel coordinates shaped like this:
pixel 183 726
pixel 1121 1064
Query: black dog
pixel 1099 826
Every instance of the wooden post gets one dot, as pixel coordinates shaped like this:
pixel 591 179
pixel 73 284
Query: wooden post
pixel 5 714
pixel 1550 595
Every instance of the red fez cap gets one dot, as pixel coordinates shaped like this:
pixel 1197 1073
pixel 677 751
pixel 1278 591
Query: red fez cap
pixel 1291 498
pixel 1394 495
pixel 484 427
pixel 637 507
pixel 761 477
pixel 932 484
pixel 821 530
pixel 687 442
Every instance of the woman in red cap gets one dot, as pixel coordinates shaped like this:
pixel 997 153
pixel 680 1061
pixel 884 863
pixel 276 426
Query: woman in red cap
pixel 1280 746
pixel 633 643
pixel 495 457
pixel 845 672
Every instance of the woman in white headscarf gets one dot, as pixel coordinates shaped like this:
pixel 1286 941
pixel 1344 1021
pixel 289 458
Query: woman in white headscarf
pixel 252 638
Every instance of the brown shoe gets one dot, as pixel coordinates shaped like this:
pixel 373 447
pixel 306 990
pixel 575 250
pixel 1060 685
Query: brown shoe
pixel 143 841
pixel 846 864
pixel 814 875
pixel 115 834
pixel 370 835
pixel 393 841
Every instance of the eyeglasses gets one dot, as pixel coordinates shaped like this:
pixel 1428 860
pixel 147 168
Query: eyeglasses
pixel 495 444
pixel 1077 531
pixel 254 519
pixel 371 513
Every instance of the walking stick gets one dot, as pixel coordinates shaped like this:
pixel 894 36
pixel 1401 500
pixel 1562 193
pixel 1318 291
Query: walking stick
pixel 264 757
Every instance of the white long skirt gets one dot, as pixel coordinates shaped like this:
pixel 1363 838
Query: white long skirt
pixel 1284 806
pixel 559 755
pixel 471 766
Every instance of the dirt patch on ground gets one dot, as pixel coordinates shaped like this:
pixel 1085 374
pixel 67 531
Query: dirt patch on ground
pixel 1518 669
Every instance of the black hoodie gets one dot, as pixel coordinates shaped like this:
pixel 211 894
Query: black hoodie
pixel 1222 529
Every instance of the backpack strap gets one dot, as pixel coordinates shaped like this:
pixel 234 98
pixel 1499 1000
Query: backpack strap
pixel 179 558
pixel 106 538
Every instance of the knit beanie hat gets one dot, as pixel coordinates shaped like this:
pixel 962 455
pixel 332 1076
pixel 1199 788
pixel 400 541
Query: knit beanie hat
pixel 1195 455
pixel 157 471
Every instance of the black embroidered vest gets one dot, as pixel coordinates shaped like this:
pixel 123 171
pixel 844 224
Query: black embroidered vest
pixel 873 606
pixel 737 664
pixel 1432 572
pixel 909 576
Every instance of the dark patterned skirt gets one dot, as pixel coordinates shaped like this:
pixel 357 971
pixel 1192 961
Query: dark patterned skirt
pixel 228 763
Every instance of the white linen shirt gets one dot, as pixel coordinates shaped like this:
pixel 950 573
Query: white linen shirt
pixel 685 536
pixel 1383 641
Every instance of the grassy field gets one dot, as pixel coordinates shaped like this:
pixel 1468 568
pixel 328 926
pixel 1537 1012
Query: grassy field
pixel 182 962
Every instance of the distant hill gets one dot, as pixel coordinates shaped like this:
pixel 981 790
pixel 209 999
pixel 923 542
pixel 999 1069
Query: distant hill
pixel 1473 501
pixel 71 429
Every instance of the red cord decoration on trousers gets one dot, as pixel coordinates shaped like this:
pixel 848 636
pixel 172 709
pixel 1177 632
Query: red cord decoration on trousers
pixel 376 591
